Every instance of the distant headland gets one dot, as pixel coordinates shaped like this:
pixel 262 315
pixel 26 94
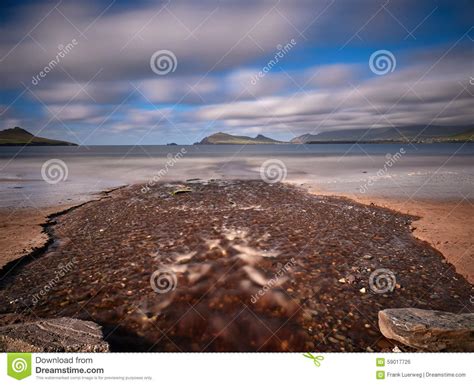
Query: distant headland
pixel 17 136
pixel 407 134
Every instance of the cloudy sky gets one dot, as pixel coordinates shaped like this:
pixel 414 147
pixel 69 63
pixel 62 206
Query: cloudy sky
pixel 151 72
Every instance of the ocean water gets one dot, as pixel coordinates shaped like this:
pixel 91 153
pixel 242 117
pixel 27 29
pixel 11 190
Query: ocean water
pixel 48 176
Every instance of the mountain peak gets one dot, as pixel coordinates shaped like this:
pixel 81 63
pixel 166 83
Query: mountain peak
pixel 223 138
pixel 18 136
pixel 18 130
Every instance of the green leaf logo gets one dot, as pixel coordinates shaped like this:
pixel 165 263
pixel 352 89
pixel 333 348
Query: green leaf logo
pixel 19 365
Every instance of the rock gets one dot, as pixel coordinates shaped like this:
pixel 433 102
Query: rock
pixel 429 330
pixel 53 335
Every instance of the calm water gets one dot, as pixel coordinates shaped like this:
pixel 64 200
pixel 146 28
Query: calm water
pixel 437 171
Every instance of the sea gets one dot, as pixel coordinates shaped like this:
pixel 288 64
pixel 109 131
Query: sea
pixel 50 176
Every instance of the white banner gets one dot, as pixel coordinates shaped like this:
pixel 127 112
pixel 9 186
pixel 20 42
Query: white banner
pixel 236 368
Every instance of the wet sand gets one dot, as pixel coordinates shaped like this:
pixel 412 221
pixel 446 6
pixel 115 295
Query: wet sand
pixel 22 231
pixel 224 242
pixel 447 225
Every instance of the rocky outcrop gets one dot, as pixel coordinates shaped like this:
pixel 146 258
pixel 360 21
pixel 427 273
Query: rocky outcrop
pixel 428 330
pixel 53 335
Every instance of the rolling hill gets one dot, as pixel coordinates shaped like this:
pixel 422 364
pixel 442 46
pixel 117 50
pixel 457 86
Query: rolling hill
pixel 391 134
pixel 223 138
pixel 19 137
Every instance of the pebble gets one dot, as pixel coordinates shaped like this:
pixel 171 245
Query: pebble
pixel 396 349
pixel 123 262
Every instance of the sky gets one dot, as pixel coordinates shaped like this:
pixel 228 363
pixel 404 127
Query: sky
pixel 153 72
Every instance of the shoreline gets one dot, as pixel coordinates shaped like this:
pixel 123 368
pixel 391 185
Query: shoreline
pixel 23 230
pixel 382 233
pixel 444 225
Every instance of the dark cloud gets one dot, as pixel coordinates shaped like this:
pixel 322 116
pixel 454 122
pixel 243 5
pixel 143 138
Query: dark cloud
pixel 105 83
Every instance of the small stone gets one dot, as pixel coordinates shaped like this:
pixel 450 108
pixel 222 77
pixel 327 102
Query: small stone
pixel 342 280
pixel 362 290
pixel 367 256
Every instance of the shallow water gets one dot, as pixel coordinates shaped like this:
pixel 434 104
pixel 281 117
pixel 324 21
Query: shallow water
pixel 232 266
pixel 428 171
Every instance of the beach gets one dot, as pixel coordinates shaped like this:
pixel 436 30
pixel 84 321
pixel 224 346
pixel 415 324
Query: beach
pixel 433 182
pixel 445 225
pixel 222 241
pixel 318 234
pixel 238 177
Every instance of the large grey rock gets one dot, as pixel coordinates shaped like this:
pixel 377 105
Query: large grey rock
pixel 428 330
pixel 53 335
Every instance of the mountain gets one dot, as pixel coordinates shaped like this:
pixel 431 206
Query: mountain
pixel 391 134
pixel 223 138
pixel 19 137
pixel 466 136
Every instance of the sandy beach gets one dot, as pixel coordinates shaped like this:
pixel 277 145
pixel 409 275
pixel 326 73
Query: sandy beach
pixel 237 177
pixel 222 241
pixel 96 259
pixel 445 225
pixel 22 231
